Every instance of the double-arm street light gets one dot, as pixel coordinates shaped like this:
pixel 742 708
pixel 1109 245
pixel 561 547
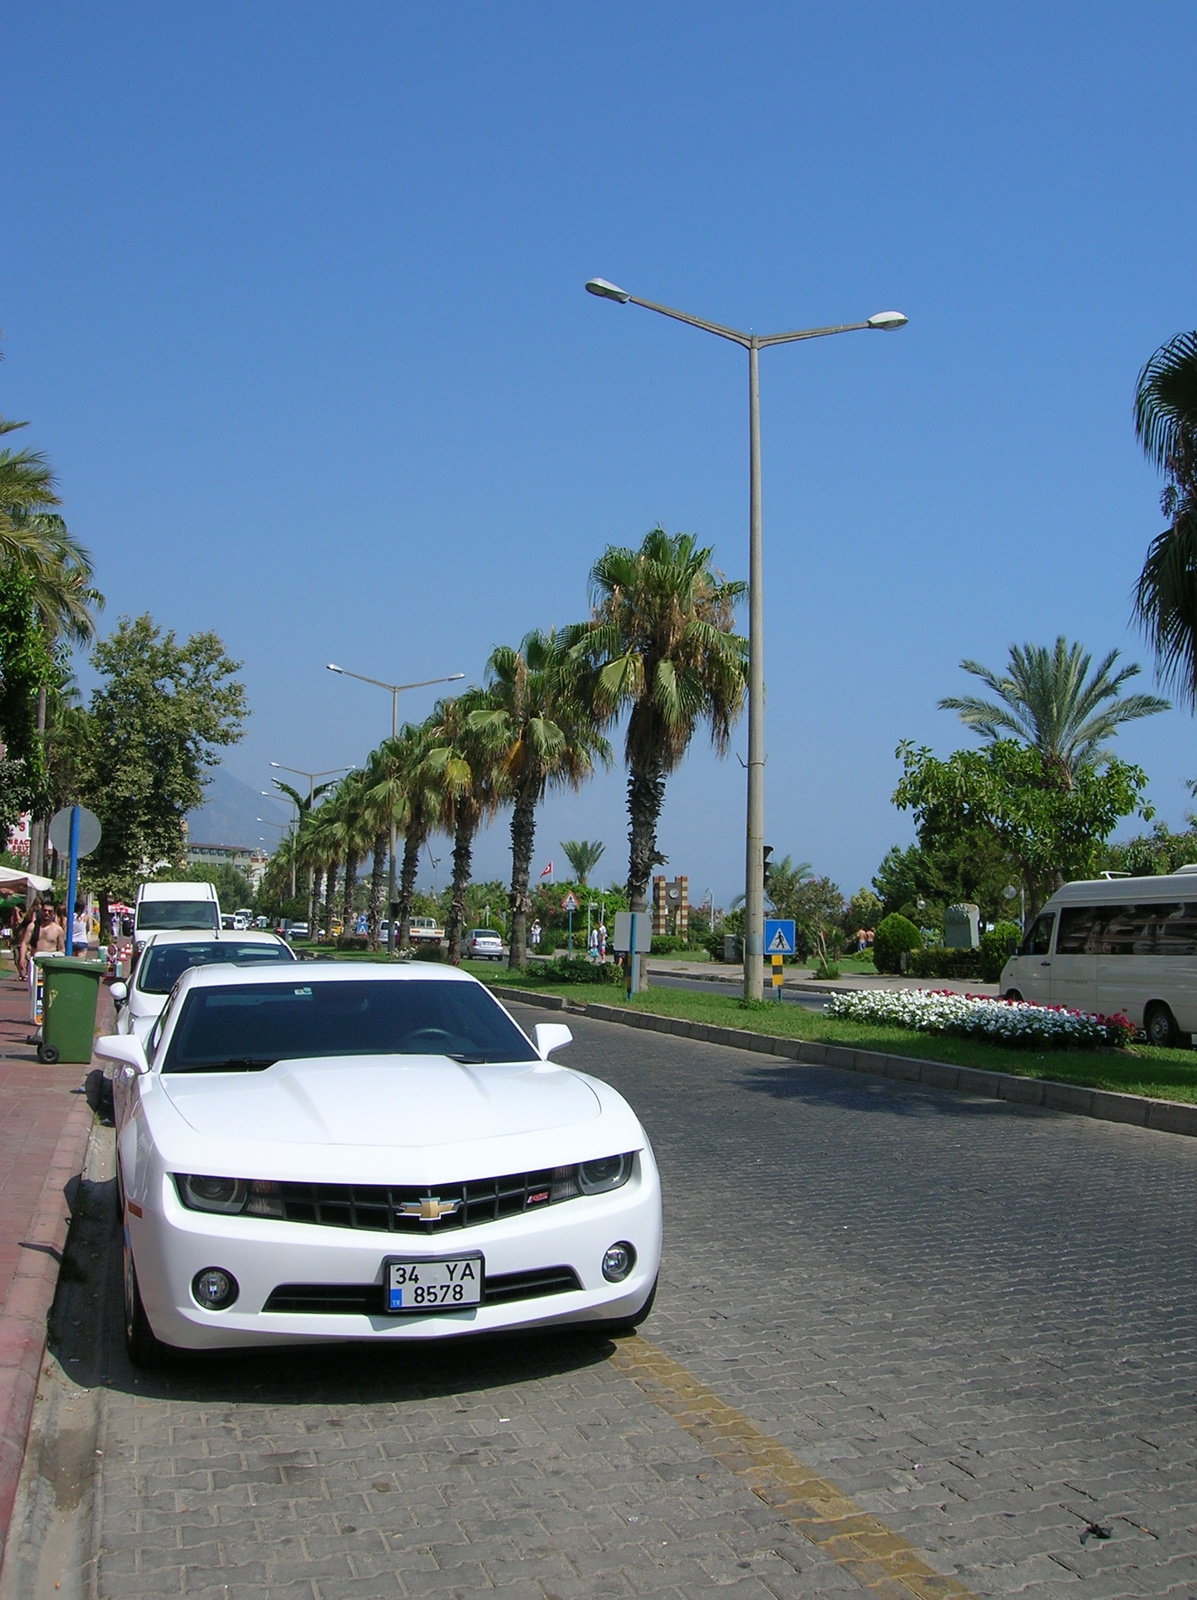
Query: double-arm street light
pixel 300 772
pixel 754 867
pixel 395 690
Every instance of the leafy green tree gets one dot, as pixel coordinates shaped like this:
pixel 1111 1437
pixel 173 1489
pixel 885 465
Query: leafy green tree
pixel 542 731
pixel 583 856
pixel 1047 700
pixel 27 667
pixel 924 879
pixel 1159 851
pixel 661 644
pixel 1165 598
pixel 864 911
pixel 154 725
pixel 1053 831
pixel 233 888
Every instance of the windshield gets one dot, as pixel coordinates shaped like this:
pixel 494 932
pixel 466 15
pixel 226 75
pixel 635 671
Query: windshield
pixel 247 1026
pixel 158 915
pixel 162 964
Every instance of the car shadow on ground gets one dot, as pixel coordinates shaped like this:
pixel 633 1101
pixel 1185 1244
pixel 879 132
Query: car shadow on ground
pixel 833 1086
pixel 87 1340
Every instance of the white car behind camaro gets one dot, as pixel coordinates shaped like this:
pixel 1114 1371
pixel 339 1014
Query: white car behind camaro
pixel 332 1152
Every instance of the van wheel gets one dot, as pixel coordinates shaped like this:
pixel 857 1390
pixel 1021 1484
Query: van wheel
pixel 1012 994
pixel 1160 1026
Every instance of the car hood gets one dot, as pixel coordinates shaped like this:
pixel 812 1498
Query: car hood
pixel 406 1101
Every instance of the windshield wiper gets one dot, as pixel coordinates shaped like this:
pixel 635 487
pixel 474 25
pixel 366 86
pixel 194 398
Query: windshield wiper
pixel 467 1060
pixel 235 1064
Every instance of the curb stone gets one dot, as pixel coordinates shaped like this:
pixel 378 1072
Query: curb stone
pixel 1105 1105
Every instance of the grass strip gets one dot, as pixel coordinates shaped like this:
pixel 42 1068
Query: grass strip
pixel 1140 1069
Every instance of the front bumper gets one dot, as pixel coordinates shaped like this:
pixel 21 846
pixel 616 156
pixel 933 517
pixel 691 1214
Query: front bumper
pixel 171 1244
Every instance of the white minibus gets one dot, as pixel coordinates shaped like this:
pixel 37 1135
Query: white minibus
pixel 174 906
pixel 1116 944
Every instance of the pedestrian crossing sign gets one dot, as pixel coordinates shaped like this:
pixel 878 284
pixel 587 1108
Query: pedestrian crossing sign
pixel 779 936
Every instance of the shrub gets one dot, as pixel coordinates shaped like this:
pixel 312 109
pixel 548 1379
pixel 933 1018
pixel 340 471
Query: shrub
pixel 548 943
pixel 426 951
pixel 995 949
pixel 351 941
pixel 668 944
pixel 942 963
pixel 576 969
pixel 893 935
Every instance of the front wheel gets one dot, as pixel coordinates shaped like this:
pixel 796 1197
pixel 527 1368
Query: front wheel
pixel 1160 1026
pixel 143 1344
pixel 1012 994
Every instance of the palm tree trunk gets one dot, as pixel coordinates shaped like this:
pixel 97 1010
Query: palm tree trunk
pixel 314 901
pixel 330 898
pixel 378 874
pixel 463 849
pixel 412 841
pixel 646 795
pixel 350 886
pixel 523 842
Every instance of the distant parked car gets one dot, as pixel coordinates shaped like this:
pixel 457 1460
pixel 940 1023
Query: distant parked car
pixel 484 944
pixel 297 930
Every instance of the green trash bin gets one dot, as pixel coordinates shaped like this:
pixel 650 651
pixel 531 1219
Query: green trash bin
pixel 70 988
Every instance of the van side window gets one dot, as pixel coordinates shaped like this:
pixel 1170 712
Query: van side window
pixel 1176 930
pixel 1038 941
pixel 1077 926
pixel 1129 930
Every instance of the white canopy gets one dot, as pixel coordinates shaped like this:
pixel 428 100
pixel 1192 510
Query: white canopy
pixel 14 881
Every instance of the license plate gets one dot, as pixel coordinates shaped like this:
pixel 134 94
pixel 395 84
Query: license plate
pixel 444 1283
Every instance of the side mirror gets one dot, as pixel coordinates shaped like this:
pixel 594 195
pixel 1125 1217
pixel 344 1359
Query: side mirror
pixel 547 1036
pixel 1011 947
pixel 124 1050
pixel 119 991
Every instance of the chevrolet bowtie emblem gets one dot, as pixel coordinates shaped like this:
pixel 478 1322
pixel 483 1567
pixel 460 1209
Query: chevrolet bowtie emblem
pixel 429 1210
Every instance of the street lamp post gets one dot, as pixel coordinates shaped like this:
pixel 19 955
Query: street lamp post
pixel 754 865
pixel 396 689
pixel 301 772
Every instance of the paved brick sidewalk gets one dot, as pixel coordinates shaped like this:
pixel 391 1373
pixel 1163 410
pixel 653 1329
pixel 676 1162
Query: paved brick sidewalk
pixel 44 1126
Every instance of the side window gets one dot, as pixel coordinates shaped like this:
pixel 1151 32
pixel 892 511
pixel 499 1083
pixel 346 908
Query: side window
pixel 1129 930
pixel 164 1016
pixel 1176 930
pixel 1038 941
pixel 1077 924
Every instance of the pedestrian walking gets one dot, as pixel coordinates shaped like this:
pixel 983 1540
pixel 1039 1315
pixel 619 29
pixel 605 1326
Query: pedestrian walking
pixel 602 941
pixel 43 937
pixel 79 929
pixel 534 934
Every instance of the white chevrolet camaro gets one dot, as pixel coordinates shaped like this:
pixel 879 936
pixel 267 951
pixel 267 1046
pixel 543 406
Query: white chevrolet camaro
pixel 330 1152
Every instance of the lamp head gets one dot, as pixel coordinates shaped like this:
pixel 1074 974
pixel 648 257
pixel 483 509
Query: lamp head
pixel 453 677
pixel 607 291
pixel 277 764
pixel 887 321
pixel 332 668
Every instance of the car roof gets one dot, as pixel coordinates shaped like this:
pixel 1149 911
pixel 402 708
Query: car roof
pixel 211 936
pixel 342 971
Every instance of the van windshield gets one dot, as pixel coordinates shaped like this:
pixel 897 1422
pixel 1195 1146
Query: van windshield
pixel 158 916
pixel 245 1027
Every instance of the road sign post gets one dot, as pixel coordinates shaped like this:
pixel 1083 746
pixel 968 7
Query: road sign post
pixel 569 905
pixel 74 833
pixel 779 943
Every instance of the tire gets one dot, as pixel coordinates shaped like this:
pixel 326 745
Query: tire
pixel 1012 994
pixel 1160 1026
pixel 625 1325
pixel 47 1053
pixel 144 1347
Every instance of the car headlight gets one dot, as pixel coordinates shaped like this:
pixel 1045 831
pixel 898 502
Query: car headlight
pixel 230 1196
pixel 592 1177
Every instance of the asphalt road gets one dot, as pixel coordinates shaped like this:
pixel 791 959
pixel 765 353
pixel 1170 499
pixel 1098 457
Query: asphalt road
pixel 665 980
pixel 976 1320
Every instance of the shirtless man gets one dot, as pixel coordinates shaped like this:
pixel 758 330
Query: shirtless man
pixel 43 937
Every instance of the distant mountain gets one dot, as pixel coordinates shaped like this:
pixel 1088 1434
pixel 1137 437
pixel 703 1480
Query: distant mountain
pixel 229 815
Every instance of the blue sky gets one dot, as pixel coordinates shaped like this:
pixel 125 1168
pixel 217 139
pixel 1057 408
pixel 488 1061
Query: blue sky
pixel 292 296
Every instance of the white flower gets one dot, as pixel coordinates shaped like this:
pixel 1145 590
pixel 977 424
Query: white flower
pixel 1014 1022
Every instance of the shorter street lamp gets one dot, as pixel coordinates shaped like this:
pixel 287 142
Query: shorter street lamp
pixel 302 772
pixel 395 690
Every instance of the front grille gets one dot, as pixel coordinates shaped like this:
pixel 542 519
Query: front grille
pixel 366 1298
pixel 378 1208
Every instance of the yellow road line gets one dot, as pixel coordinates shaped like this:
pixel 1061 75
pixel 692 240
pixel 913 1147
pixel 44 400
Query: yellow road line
pixel 880 1559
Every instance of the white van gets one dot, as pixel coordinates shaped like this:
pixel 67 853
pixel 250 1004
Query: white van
pixel 181 906
pixel 1116 944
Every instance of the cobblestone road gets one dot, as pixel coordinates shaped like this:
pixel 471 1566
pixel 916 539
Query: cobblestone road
pixel 976 1320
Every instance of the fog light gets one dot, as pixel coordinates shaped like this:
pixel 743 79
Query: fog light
pixel 214 1289
pixel 618 1261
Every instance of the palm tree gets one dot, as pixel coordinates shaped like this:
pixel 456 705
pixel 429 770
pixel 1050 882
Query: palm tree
pixel 26 485
pixel 539 728
pixel 357 833
pixel 1047 700
pixel 304 804
pixel 468 780
pixel 661 646
pixel 1165 597
pixel 379 808
pixel 403 794
pixel 583 856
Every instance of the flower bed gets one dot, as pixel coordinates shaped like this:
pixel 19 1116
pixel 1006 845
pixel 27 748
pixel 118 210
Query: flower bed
pixel 971 1016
